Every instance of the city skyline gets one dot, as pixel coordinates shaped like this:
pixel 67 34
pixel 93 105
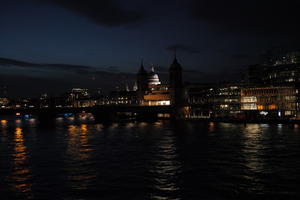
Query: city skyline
pixel 110 37
pixel 149 99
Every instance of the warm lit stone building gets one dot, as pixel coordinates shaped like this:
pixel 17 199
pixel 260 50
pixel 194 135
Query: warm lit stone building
pixel 153 93
pixel 269 102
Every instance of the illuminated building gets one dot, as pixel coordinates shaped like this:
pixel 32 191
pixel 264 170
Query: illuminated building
pixel 4 102
pixel 80 93
pixel 135 87
pixel 79 97
pixel 199 97
pixel 157 95
pixel 269 102
pixel 278 75
pixel 150 91
pixel 281 69
pixel 214 100
pixel 277 57
pixel 122 97
pixel 152 78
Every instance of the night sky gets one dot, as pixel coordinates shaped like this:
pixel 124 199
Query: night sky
pixel 53 45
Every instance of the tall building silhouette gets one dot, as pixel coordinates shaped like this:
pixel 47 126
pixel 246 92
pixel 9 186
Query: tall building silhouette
pixel 142 75
pixel 142 84
pixel 175 83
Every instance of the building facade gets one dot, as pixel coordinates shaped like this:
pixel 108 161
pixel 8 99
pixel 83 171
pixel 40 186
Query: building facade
pixel 270 102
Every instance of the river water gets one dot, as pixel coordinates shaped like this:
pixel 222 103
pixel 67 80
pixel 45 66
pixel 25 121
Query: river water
pixel 157 160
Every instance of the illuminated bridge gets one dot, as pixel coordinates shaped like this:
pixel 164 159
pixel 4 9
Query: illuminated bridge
pixel 100 113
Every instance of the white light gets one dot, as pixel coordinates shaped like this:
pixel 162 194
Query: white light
pixel 263 113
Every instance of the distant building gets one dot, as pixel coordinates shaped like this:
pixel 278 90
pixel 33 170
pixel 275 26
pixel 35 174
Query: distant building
pixel 79 97
pixel 157 95
pixel 122 98
pixel 214 100
pixel 151 92
pixel 4 102
pixel 274 75
pixel 176 84
pixel 269 102
pixel 279 69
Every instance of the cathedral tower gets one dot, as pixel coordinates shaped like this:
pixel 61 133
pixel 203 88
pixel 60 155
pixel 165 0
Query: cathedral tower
pixel 142 76
pixel 175 83
pixel 142 84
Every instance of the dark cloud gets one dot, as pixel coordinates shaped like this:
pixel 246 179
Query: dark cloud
pixel 112 69
pixel 5 62
pixel 183 48
pixel 241 56
pixel 78 76
pixel 257 16
pixel 103 12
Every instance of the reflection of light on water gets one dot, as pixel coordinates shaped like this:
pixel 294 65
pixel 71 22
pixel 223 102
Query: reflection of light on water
pixel 158 124
pixel 114 125
pixel 83 128
pixel 99 127
pixel 72 129
pixel 279 129
pixel 78 143
pixel 129 125
pixel 4 123
pixel 79 150
pixel 84 146
pixel 211 126
pixel 72 140
pixel 71 118
pixel 253 153
pixel 142 124
pixel 59 119
pixel 32 121
pixel 166 168
pixel 252 130
pixel 21 172
pixel 3 129
pixel 226 125
pixel 264 125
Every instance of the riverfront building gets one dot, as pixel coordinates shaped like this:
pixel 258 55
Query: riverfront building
pixel 214 100
pixel 269 102
pixel 151 92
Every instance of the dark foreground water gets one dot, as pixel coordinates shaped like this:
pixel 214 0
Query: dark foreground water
pixel 161 160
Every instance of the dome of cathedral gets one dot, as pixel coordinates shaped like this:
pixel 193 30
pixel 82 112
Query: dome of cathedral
pixel 153 78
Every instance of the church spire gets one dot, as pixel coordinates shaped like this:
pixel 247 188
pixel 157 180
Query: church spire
pixel 175 64
pixel 152 68
pixel 142 69
pixel 142 62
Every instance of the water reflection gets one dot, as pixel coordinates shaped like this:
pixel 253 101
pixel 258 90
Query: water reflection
pixel 3 123
pixel 211 126
pixel 85 147
pixel 21 175
pixel 253 154
pixel 166 168
pixel 3 129
pixel 79 154
pixel 191 160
